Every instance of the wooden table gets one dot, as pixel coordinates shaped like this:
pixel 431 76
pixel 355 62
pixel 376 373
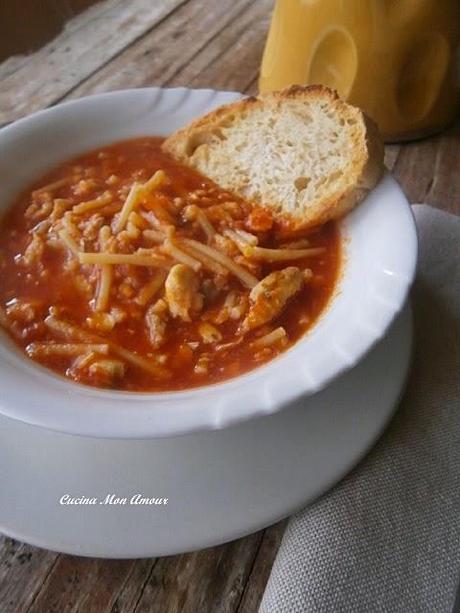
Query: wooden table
pixel 197 43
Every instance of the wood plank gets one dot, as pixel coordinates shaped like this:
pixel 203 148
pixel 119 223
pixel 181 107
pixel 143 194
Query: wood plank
pixel 12 64
pixel 428 170
pixel 79 5
pixel 414 168
pixel 391 155
pixel 82 584
pixel 133 588
pixel 160 55
pixel 444 191
pixel 208 581
pixel 231 60
pixel 88 42
pixel 226 578
pixel 260 572
pixel 253 88
pixel 23 569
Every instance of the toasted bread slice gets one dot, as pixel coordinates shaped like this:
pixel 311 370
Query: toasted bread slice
pixel 303 153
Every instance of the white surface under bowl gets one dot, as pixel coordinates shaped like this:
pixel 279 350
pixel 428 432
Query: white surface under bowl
pixel 380 248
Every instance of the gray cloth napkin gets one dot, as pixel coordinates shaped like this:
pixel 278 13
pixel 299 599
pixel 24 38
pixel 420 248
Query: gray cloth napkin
pixel 387 538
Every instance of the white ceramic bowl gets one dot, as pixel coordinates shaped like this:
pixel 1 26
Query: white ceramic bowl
pixel 380 258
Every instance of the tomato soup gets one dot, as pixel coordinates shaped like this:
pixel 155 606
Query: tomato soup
pixel 125 269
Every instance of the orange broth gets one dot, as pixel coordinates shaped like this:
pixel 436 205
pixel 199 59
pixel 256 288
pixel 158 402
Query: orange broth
pixel 48 278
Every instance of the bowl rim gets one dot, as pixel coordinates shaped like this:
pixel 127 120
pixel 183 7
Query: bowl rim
pixel 39 394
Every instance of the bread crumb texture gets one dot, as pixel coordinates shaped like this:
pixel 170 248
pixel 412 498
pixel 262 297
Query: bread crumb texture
pixel 303 153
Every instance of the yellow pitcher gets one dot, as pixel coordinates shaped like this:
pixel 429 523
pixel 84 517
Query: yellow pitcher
pixel 399 60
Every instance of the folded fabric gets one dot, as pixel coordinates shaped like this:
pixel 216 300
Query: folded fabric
pixel 387 538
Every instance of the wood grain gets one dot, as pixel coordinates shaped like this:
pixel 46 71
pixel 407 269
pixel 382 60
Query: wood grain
pixel 262 566
pixel 207 581
pixel 23 569
pixel 231 61
pixel 200 44
pixel 428 170
pixel 88 42
pixel 227 578
pixel 81 584
pixel 161 55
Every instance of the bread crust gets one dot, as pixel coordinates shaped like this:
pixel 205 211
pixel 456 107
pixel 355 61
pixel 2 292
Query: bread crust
pixel 367 168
